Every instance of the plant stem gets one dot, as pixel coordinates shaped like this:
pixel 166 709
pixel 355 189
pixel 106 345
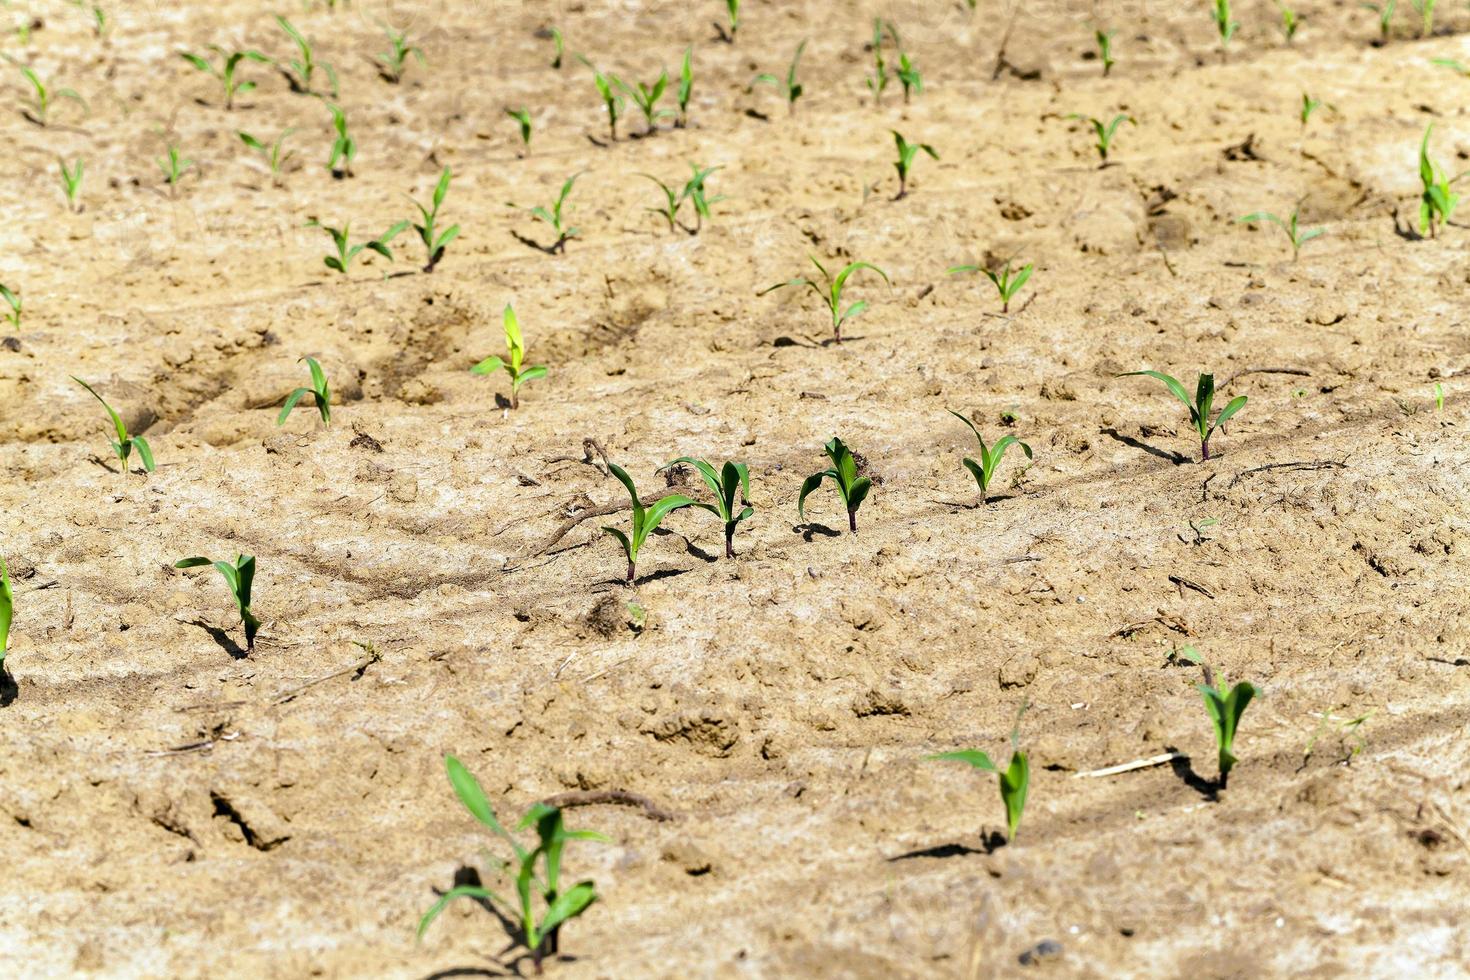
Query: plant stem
pixel 1204 450
pixel 630 571
pixel 852 520
pixel 730 540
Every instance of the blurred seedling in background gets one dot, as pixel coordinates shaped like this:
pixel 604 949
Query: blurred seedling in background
pixel 538 932
pixel 686 88
pixel 645 521
pixel 227 71
pixel 12 300
pixel 392 62
pixel 300 72
pixel 1426 16
pixel 789 87
pixel 1385 11
pixel 612 102
pixel 878 81
pixel 71 183
pixel 1309 106
pixel 673 200
pixel 988 465
pixel 124 444
pixel 174 165
pixel 1438 397
pixel 516 351
pixel 853 489
pixel 344 147
pixel 1200 407
pixel 1349 729
pixel 1104 131
pixel 346 251
pixel 553 217
pixel 646 98
pixel 1297 235
pixel 434 241
pixel 239 577
pixel 907 154
pixel 1105 50
pixel 731 486
pixel 1014 779
pixel 693 191
pixel 1291 22
pixel 1437 203
pixel 7 612
pixel 320 394
pixel 1007 282
pixel 523 123
pixel 830 291
pixel 1225 710
pixel 45 96
pixel 275 154
pixel 559 46
pixel 1225 26
pixel 732 12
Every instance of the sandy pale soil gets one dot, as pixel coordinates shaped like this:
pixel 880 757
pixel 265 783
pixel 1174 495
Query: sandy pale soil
pixel 171 807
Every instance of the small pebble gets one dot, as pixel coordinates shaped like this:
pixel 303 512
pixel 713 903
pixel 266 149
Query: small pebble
pixel 1042 951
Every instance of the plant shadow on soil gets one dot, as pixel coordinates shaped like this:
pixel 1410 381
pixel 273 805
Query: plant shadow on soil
pixel 467 875
pixel 1184 769
pixel 1178 459
pixel 989 844
pixel 222 638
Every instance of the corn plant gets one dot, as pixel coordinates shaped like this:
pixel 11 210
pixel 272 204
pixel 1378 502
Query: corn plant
pixel 1385 11
pixel 45 96
pixel 275 154
pixel 559 43
pixel 1224 25
pixel 612 102
pixel 686 88
pixel 7 611
pixel 553 217
pixel 985 469
pixel 673 200
pixel 731 486
pixel 645 521
pixel 878 81
pixel 174 165
pixel 907 74
pixel 1225 710
pixel 392 62
pixel 831 292
pixel 125 443
pixel 907 153
pixel 1006 282
pixel 1291 21
pixel 319 392
pixel 732 10
pixel 1105 50
pixel 301 70
pixel 646 98
pixel 1015 778
pixel 853 489
pixel 538 932
pixel 1199 408
pixel 1104 131
pixel 1309 106
pixel 789 87
pixel 227 71
pixel 346 251
pixel 1437 202
pixel 344 147
pixel 695 192
pixel 71 183
pixel 1296 235
pixel 435 242
pixel 100 24
pixel 239 576
pixel 1426 16
pixel 523 123
pixel 516 350
pixel 12 300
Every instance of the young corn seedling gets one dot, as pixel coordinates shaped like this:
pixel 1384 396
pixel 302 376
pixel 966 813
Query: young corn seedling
pixel 275 154
pixel 1225 710
pixel 1298 236
pixel 646 97
pixel 694 191
pixel 7 611
pixel 560 47
pixel 516 350
pixel 1385 11
pixel 907 153
pixel 40 111
pixel 673 200
pixel 12 300
pixel 523 123
pixel 612 102
pixel 239 576
pixel 434 241
pixel 1015 778
pixel 645 521
pixel 227 71
pixel 125 443
pixel 538 932
pixel 71 183
pixel 1224 25
pixel 553 217
pixel 686 88
pixel 732 11
pixel 1104 131
pixel 908 76
pixel 831 292
pixel 878 81
pixel 346 251
pixel 344 147
pixel 1199 408
pixel 1437 203
pixel 319 392
pixel 301 70
pixel 1309 106
pixel 1291 21
pixel 174 165
pixel 1105 50
pixel 853 489
pixel 731 486
pixel 1426 16
pixel 789 87
pixel 392 62
pixel 1006 282
pixel 990 457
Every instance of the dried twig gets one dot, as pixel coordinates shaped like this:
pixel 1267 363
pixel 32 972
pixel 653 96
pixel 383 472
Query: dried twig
pixel 619 797
pixel 1316 464
pixel 1299 372
pixel 1150 762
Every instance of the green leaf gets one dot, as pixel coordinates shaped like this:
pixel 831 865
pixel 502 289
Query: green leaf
pixel 627 481
pixel 117 423
pixel 982 479
pixel 1236 404
pixel 291 401
pixel 467 788
pixel 858 492
pixel 568 905
pixel 1173 384
pixel 195 562
pixel 628 548
pixel 488 366
pixel 807 486
pixel 658 511
pixel 7 608
pixel 318 378
pixel 530 374
pixel 973 757
pixel 1014 783
pixel 462 891
pixel 145 452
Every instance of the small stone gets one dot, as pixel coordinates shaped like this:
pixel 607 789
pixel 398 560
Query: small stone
pixel 1047 949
